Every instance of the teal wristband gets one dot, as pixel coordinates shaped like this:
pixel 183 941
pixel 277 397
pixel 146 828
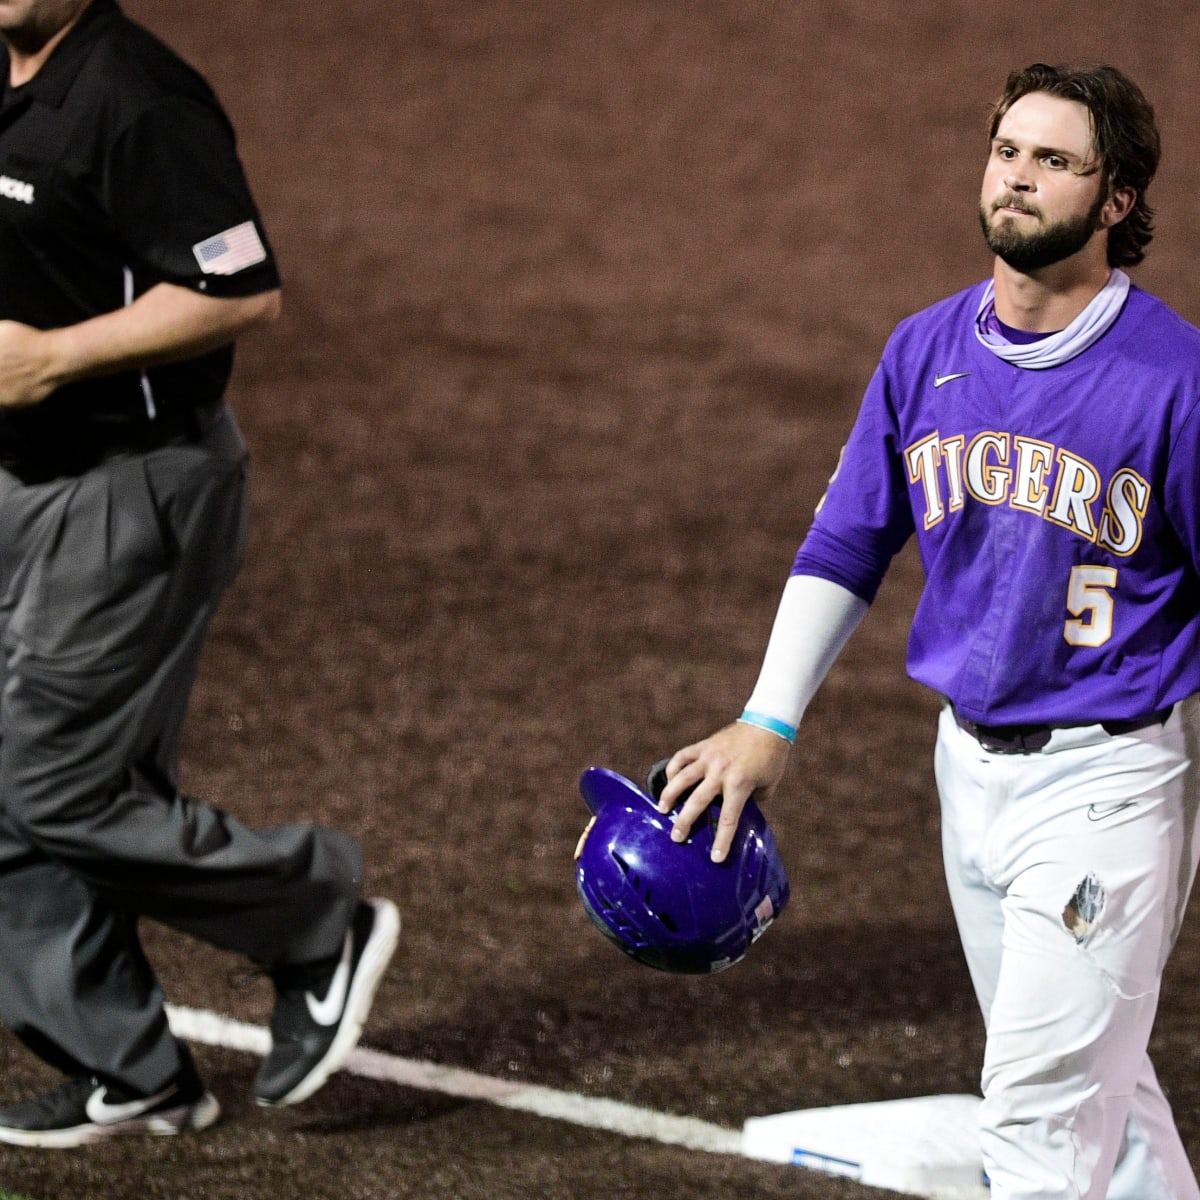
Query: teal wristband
pixel 771 724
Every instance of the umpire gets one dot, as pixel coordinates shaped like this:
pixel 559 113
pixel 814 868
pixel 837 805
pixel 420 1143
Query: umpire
pixel 131 257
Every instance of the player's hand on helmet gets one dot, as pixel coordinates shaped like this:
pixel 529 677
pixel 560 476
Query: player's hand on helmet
pixel 734 763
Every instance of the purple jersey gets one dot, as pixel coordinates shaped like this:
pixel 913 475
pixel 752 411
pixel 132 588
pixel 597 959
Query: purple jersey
pixel 1057 513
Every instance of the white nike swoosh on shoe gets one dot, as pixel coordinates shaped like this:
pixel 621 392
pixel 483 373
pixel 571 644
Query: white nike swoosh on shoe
pixel 100 1112
pixel 328 1011
pixel 376 954
pixel 938 380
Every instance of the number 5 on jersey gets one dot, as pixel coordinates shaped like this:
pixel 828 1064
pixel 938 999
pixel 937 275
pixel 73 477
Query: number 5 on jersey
pixel 1090 603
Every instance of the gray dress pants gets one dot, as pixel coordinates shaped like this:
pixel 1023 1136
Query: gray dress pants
pixel 108 581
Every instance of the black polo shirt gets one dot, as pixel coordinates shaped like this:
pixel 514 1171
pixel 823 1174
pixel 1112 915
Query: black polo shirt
pixel 118 171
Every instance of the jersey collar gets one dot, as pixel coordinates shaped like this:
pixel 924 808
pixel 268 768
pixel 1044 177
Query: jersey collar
pixel 1056 348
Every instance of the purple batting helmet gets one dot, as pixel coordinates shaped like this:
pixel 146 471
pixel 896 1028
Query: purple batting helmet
pixel 667 904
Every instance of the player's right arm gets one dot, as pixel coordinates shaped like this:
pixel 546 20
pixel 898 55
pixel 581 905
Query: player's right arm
pixel 862 521
pixel 815 620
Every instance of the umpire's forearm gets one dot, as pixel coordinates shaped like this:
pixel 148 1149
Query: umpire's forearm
pixel 167 324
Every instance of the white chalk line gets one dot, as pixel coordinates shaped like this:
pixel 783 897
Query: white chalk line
pixel 212 1029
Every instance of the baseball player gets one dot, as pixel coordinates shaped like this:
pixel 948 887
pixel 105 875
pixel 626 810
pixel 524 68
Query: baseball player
pixel 132 256
pixel 1040 435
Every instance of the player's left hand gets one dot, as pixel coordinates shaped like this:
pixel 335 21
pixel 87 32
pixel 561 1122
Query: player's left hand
pixel 27 365
pixel 734 763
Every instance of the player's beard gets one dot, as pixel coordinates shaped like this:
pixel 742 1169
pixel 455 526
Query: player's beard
pixel 1040 247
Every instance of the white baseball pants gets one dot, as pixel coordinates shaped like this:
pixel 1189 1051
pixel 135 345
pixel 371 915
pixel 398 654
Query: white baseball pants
pixel 1069 870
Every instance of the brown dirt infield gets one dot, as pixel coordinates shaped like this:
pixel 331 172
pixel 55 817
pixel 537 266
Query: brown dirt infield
pixel 580 300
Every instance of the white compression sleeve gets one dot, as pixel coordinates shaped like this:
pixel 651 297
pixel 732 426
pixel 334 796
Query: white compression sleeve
pixel 814 621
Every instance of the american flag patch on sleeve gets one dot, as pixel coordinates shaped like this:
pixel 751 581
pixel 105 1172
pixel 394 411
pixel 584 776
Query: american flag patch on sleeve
pixel 229 252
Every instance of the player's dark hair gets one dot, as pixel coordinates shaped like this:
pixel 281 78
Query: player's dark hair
pixel 1124 134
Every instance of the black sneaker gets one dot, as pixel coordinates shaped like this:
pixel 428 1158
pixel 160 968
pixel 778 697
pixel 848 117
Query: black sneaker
pixel 320 1008
pixel 85 1110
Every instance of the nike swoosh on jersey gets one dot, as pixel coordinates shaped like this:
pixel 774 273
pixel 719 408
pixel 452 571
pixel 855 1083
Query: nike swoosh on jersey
pixel 326 1012
pixel 938 380
pixel 100 1112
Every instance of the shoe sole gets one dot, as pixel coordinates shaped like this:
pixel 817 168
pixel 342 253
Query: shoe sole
pixel 376 955
pixel 188 1118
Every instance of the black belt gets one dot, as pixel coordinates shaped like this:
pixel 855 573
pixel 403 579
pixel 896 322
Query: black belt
pixel 77 451
pixel 1028 739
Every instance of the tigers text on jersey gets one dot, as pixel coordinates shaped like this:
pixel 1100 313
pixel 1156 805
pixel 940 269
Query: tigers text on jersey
pixel 1057 513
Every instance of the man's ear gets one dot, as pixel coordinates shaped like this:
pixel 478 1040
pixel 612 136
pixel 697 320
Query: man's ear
pixel 1118 206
